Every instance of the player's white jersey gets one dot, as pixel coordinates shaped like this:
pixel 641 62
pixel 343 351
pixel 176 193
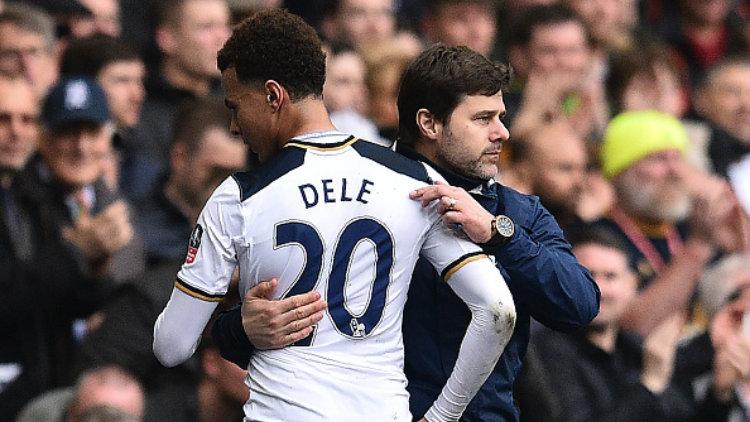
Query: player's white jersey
pixel 330 214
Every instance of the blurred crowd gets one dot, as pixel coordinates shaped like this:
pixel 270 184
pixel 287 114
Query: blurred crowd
pixel 630 119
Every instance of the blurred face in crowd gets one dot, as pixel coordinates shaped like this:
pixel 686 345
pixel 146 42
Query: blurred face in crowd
pixel 653 188
pixel 658 90
pixel 365 21
pixel 344 88
pixel 557 166
pixel 76 151
pixel 26 53
pixel 105 19
pixel 194 41
pixel 469 142
pixel 559 47
pixel 605 17
pixel 617 283
pixel 19 126
pixel 198 173
pixel 706 12
pixel 122 81
pixel 111 387
pixel 726 100
pixel 470 23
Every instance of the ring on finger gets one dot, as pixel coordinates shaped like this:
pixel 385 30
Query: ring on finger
pixel 451 204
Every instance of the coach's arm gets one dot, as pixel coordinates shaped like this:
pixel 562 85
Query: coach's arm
pixel 262 323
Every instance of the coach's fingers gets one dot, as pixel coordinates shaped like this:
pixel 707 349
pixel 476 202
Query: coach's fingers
pixel 303 323
pixel 453 217
pixel 262 290
pixel 428 194
pixel 296 336
pixel 301 313
pixel 297 301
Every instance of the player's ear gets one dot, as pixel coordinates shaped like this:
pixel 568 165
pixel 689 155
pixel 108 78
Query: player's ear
pixel 274 94
pixel 429 126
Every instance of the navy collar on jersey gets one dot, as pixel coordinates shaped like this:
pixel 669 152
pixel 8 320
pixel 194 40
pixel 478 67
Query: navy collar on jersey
pixel 470 184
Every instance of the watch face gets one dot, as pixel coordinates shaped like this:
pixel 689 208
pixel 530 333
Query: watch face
pixel 505 226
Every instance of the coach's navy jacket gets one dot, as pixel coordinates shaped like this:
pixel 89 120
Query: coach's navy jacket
pixel 546 281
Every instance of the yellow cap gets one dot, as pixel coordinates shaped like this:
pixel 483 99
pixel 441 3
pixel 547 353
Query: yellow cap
pixel 633 135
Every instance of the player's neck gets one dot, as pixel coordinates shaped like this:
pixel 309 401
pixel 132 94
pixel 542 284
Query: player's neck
pixel 310 116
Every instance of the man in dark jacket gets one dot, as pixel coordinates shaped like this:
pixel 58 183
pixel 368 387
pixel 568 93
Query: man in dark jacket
pixel 451 122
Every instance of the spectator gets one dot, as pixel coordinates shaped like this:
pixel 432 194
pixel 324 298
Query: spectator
pixel 27 46
pixel 189 34
pixel 551 162
pixel 116 67
pixel 103 19
pixel 672 218
pixel 44 287
pixel 19 130
pixel 462 22
pixel 345 94
pixel 92 218
pixel 385 64
pixel 611 22
pixel 601 373
pixel 105 386
pixel 120 72
pixel 723 100
pixel 345 88
pixel 643 78
pixel 359 22
pixel 202 154
pixel 700 34
pixel 552 52
pixel 713 368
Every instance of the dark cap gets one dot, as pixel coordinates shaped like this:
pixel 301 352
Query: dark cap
pixel 75 99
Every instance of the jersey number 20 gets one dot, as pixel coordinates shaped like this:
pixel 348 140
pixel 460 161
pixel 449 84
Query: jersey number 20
pixel 306 236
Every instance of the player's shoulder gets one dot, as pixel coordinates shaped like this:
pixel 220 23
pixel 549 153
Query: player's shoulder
pixel 392 160
pixel 250 183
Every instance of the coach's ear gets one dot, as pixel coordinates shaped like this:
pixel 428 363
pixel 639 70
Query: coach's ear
pixel 429 126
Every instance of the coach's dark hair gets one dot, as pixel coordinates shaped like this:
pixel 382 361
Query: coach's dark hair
pixel 88 56
pixel 523 28
pixel 194 117
pixel 275 44
pixel 439 78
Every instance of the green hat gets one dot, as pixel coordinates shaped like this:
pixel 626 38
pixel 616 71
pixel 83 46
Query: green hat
pixel 633 135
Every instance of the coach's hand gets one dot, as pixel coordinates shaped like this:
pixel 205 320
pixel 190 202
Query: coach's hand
pixel 473 218
pixel 273 324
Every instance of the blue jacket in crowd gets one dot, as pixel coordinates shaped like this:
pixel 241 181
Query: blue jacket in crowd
pixel 546 281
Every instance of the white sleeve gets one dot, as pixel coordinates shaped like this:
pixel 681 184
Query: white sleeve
pixel 178 328
pixel 474 278
pixel 211 256
pixel 204 278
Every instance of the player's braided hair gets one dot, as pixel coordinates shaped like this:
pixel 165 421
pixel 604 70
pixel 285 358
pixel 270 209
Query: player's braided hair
pixel 275 44
pixel 439 78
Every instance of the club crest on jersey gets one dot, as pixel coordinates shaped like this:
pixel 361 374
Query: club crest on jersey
pixel 195 243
